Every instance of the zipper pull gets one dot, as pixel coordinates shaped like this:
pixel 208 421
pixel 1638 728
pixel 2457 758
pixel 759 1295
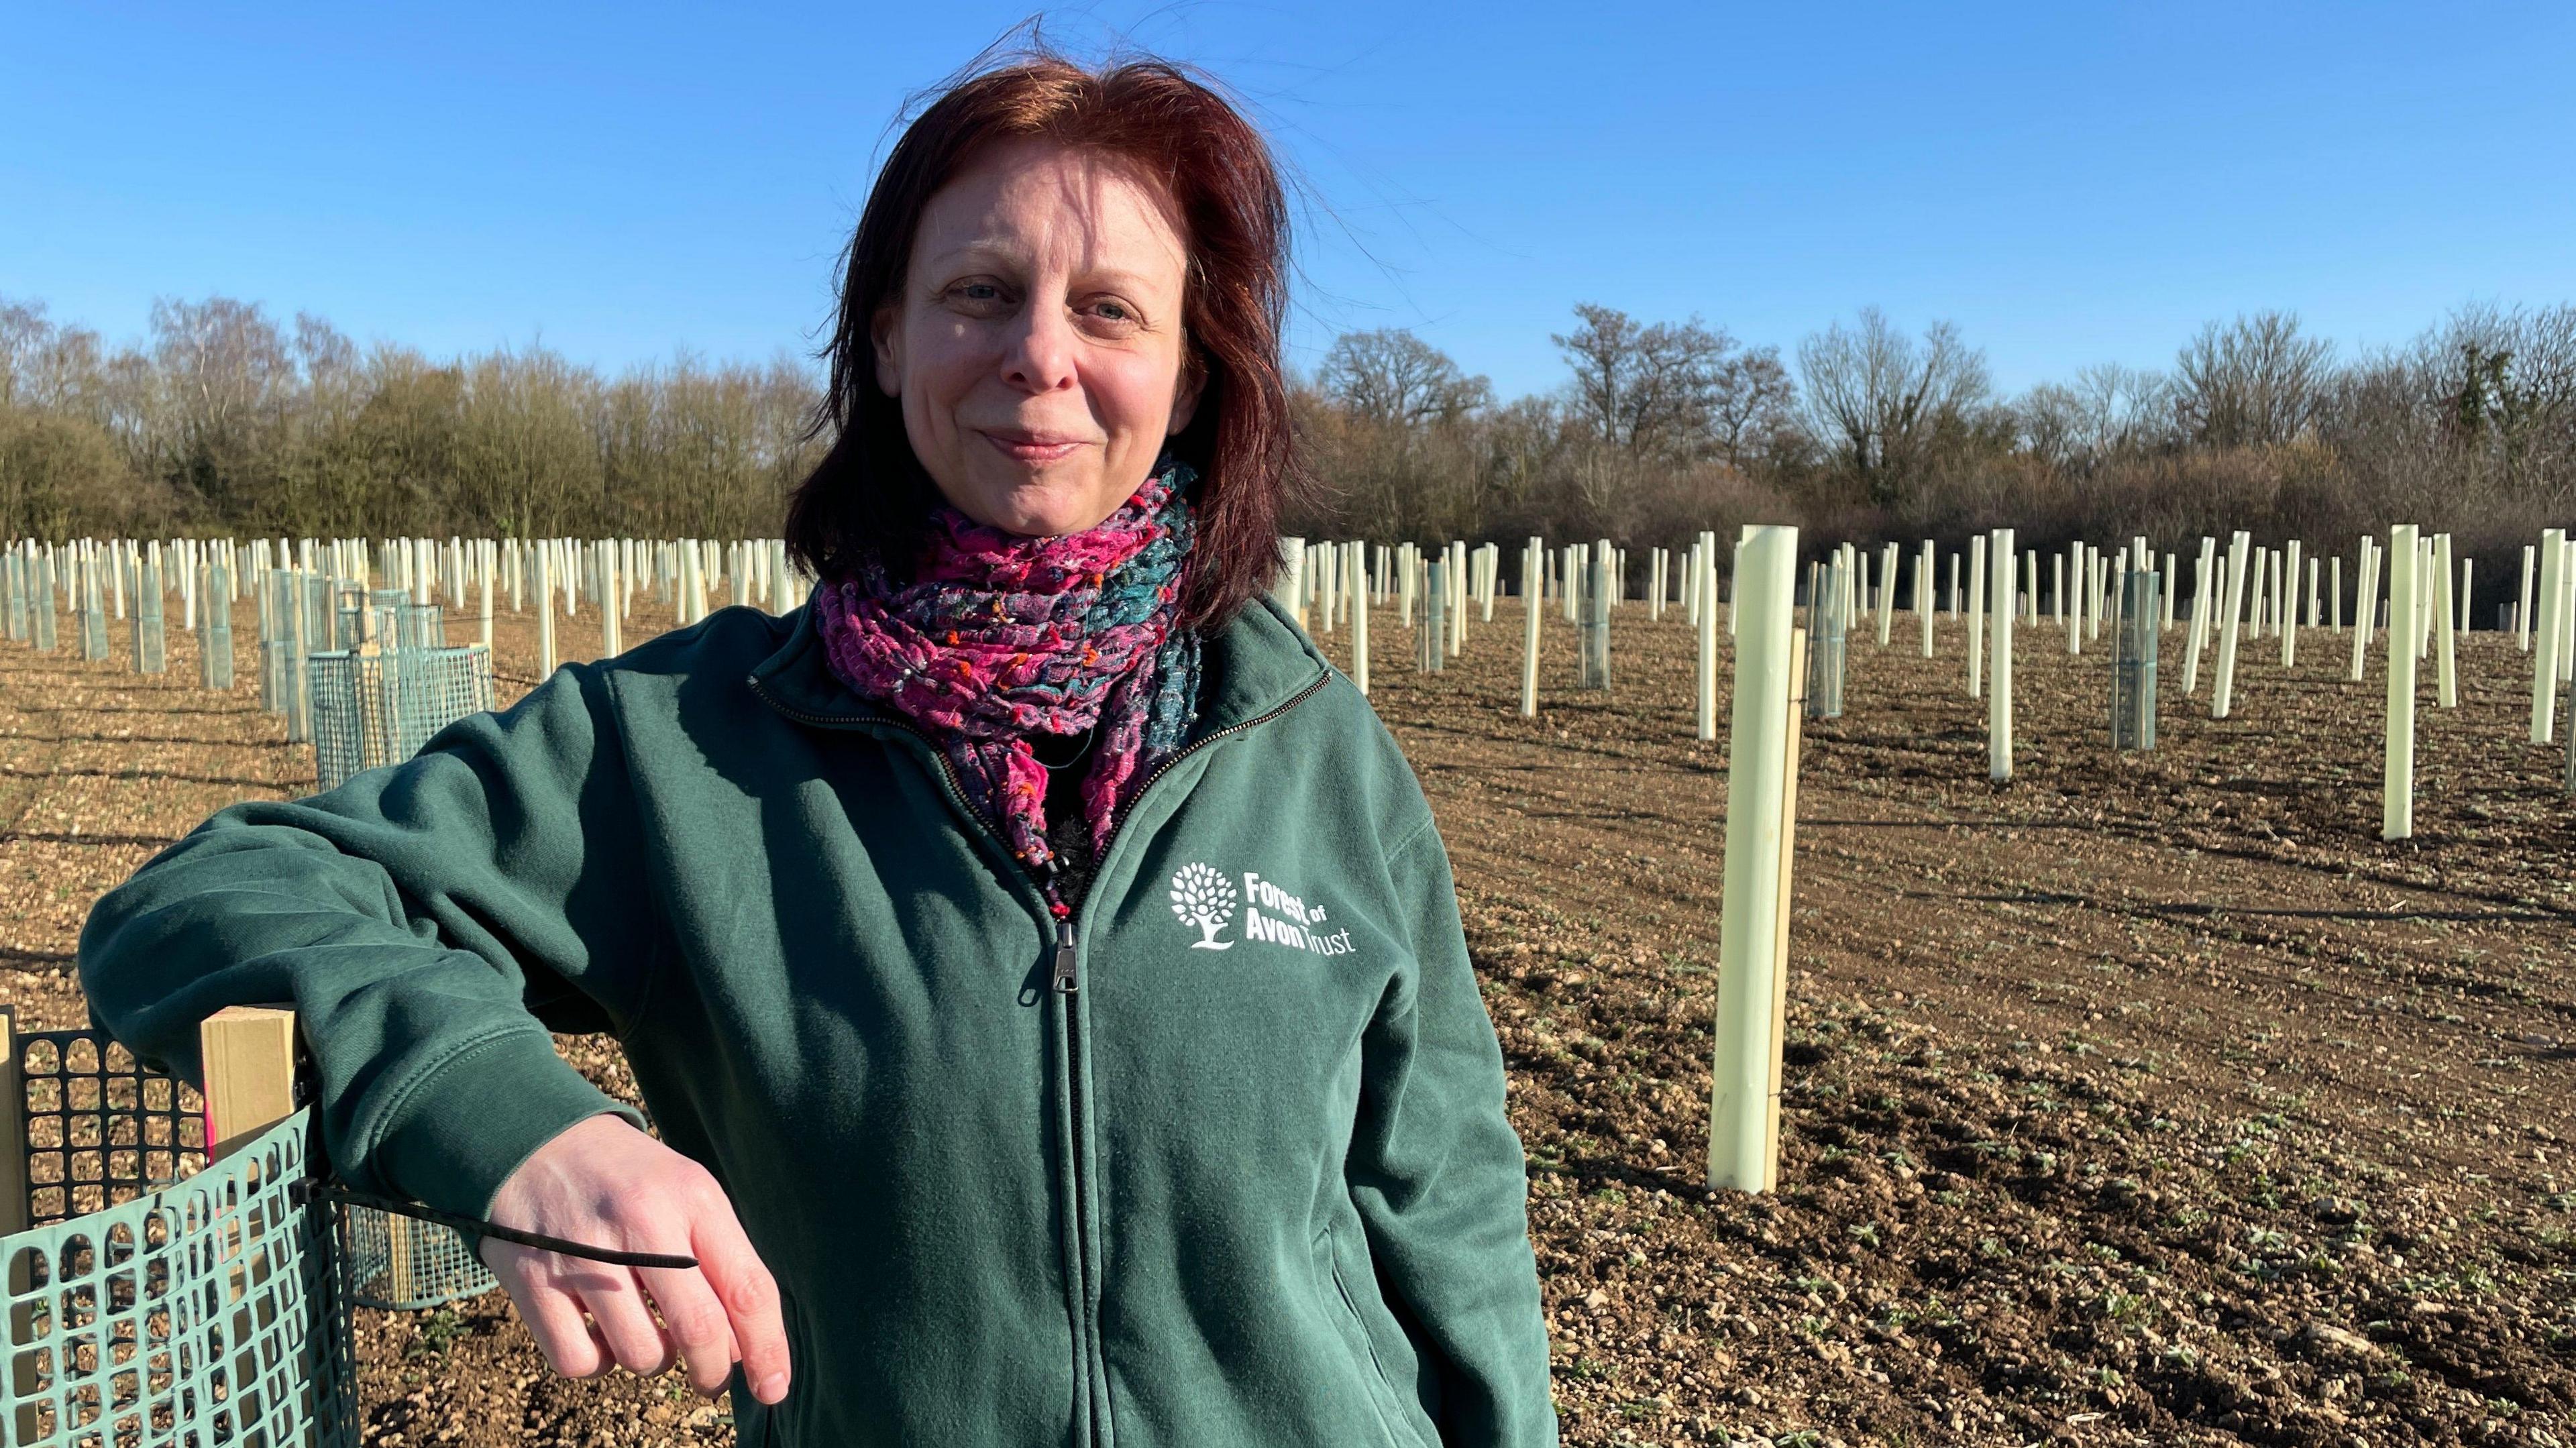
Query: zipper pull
pixel 1065 981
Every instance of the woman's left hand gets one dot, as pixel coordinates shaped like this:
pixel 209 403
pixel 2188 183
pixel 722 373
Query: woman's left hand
pixel 601 1181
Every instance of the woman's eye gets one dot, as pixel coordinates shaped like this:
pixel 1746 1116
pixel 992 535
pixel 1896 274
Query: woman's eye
pixel 979 292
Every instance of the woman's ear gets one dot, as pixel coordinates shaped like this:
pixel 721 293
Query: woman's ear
pixel 1185 396
pixel 884 337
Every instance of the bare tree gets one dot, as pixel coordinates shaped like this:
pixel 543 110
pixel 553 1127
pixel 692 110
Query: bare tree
pixel 2050 423
pixel 1648 390
pixel 2107 411
pixel 1752 406
pixel 1881 401
pixel 229 378
pixel 56 368
pixel 138 412
pixel 2124 409
pixel 537 438
pixel 24 337
pixel 2507 384
pixel 1394 376
pixel 226 362
pixel 2253 380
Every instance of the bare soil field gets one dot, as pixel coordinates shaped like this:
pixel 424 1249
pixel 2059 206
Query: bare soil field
pixel 2146 1099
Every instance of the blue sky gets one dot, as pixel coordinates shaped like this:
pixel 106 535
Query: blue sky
pixel 2069 183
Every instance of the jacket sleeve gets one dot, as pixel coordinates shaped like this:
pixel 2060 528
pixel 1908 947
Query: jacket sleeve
pixel 430 923
pixel 1440 1181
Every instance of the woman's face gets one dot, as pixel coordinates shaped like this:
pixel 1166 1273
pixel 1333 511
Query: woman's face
pixel 1036 346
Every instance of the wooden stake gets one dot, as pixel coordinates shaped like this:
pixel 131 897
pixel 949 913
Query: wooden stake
pixel 249 1058
pixel 15 1214
pixel 1780 937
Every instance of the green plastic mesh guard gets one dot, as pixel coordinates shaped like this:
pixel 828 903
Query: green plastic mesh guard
pixel 102 1131
pixel 202 1314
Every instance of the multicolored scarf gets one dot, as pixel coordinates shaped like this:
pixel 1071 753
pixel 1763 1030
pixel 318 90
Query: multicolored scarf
pixel 997 637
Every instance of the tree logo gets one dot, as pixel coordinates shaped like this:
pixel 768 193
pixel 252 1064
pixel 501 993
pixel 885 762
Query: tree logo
pixel 1204 898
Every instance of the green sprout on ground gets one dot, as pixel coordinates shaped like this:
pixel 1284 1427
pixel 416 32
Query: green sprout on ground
pixel 437 1333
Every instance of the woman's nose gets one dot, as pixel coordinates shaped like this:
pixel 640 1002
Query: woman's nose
pixel 1040 354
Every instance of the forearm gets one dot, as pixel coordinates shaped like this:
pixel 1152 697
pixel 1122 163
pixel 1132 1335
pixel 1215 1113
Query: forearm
pixel 428 924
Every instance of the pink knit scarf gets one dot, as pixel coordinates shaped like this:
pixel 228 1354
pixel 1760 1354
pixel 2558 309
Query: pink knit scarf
pixel 996 637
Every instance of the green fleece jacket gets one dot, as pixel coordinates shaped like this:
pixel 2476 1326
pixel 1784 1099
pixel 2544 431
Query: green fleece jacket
pixel 1224 1166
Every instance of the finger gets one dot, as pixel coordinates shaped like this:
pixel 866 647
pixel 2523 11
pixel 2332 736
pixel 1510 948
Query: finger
pixel 640 1345
pixel 554 1319
pixel 697 1324
pixel 742 1283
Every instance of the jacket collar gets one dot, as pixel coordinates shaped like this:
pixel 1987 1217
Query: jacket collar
pixel 1255 664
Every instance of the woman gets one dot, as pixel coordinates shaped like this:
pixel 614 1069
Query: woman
pixel 1041 966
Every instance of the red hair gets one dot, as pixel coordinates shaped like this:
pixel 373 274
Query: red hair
pixel 869 495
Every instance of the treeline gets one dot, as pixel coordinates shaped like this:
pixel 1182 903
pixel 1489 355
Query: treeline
pixel 1870 433
pixel 222 419
pixel 225 421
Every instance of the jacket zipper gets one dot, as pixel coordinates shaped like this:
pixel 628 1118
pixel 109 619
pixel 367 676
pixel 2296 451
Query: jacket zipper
pixel 1066 981
pixel 1067 971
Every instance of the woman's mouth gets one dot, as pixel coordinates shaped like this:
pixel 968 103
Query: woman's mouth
pixel 1031 447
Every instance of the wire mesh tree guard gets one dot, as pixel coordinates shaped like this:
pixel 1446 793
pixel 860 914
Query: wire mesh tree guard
pixel 14 578
pixel 151 637
pixel 42 602
pixel 376 709
pixel 2133 667
pixel 93 614
pixel 1430 642
pixel 1592 664
pixel 1828 625
pixel 215 638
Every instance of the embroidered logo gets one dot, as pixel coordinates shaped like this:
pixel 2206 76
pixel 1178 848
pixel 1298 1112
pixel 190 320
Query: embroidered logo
pixel 1204 898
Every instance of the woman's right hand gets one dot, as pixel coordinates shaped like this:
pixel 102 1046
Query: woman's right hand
pixel 603 1183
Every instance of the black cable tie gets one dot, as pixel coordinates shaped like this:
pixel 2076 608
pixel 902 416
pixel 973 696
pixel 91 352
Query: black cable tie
pixel 312 1189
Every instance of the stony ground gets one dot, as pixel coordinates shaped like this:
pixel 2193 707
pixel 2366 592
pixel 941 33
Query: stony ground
pixel 2147 1099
